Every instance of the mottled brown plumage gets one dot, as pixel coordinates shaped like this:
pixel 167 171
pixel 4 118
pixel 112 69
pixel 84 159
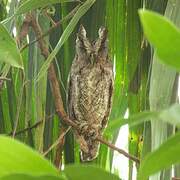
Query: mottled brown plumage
pixel 90 88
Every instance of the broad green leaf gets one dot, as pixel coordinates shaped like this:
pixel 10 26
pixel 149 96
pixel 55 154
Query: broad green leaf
pixel 170 115
pixel 77 172
pixel 80 12
pixel 165 156
pixel 163 35
pixel 19 158
pixel 131 121
pixel 28 177
pixel 34 4
pixel 9 52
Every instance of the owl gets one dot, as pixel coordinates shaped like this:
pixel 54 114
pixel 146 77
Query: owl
pixel 90 89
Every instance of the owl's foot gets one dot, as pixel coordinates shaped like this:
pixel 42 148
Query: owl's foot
pixel 83 127
pixel 93 133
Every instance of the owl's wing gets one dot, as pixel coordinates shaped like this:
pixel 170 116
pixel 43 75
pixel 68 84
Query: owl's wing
pixel 72 88
pixel 105 119
pixel 69 98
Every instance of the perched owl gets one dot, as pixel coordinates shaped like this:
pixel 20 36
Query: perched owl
pixel 90 88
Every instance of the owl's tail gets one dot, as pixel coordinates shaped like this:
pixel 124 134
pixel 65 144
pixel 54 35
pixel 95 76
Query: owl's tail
pixel 89 147
pixel 92 152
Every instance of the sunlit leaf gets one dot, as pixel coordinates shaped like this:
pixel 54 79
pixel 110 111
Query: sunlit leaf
pixel 28 177
pixel 9 52
pixel 131 121
pixel 166 155
pixel 163 35
pixel 18 158
pixel 170 115
pixel 80 12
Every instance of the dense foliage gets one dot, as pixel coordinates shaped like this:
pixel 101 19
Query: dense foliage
pixel 146 86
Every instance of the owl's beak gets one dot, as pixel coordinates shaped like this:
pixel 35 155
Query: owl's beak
pixel 92 58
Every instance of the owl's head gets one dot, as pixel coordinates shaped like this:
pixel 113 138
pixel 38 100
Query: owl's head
pixel 92 51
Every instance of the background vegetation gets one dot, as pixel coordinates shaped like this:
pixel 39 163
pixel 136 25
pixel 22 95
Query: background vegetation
pixel 146 86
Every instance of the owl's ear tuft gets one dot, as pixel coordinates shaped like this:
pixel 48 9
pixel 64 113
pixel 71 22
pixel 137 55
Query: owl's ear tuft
pixel 101 44
pixel 102 33
pixel 82 43
pixel 82 32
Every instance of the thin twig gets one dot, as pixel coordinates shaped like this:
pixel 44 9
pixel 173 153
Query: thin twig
pixel 70 15
pixel 59 151
pixel 121 151
pixel 2 79
pixel 57 95
pixel 24 29
pixel 5 79
pixel 58 141
pixel 26 129
pixel 31 127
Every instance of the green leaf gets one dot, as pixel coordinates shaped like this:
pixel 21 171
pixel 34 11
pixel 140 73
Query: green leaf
pixel 28 177
pixel 77 172
pixel 34 4
pixel 18 158
pixel 165 156
pixel 9 52
pixel 170 115
pixel 131 121
pixel 80 12
pixel 163 35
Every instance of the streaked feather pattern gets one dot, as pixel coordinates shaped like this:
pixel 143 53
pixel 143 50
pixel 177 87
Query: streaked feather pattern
pixel 90 88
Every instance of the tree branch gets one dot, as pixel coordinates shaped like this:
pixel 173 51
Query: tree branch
pixel 26 129
pixel 57 95
pixel 70 15
pixel 30 127
pixel 121 151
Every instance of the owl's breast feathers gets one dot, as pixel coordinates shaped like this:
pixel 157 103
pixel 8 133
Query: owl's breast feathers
pixel 92 93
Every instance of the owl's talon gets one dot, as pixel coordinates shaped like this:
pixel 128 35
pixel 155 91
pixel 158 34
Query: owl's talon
pixel 93 134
